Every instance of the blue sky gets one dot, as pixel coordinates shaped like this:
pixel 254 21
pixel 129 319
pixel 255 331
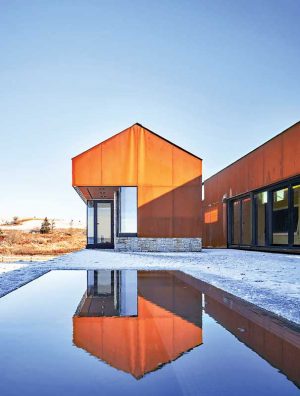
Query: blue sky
pixel 216 77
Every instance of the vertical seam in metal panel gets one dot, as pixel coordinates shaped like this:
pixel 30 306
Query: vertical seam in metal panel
pixel 136 135
pixel 290 216
pixel 101 162
pixel 173 221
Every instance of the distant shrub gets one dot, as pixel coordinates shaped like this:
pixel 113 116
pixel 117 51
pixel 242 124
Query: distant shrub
pixel 45 227
pixel 52 225
pixel 15 220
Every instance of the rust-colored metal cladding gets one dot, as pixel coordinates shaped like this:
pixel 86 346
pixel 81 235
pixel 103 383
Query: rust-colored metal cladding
pixel 168 179
pixel 274 161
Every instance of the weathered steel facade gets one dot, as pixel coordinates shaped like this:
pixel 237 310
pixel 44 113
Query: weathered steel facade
pixel 274 165
pixel 168 180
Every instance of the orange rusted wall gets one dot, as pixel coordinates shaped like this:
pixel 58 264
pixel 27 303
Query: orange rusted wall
pixel 168 180
pixel 276 160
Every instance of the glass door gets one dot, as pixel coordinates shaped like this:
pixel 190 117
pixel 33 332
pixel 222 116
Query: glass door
pixel 280 217
pixel 296 214
pixel 241 222
pixel 104 224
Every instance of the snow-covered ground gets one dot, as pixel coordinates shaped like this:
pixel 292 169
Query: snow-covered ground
pixel 271 281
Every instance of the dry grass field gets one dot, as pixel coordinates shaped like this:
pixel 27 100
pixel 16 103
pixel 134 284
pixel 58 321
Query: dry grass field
pixel 60 241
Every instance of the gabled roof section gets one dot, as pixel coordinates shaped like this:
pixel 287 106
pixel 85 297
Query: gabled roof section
pixel 145 128
pixel 136 157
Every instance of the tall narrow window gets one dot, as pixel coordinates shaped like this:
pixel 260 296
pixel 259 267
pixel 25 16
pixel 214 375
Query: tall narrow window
pixel 236 223
pixel 296 214
pixel 280 217
pixel 261 200
pixel 128 210
pixel 246 221
pixel 90 222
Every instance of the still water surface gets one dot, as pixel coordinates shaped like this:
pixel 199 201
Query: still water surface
pixel 141 333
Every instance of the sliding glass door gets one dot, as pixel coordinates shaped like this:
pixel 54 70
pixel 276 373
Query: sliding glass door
pixel 296 214
pixel 241 221
pixel 280 217
pixel 267 218
pixel 261 201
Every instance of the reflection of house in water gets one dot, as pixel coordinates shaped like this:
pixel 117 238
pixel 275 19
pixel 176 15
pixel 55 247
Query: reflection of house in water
pixel 274 340
pixel 109 293
pixel 138 321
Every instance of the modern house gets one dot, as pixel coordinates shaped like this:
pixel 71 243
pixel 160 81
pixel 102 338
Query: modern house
pixel 142 193
pixel 254 203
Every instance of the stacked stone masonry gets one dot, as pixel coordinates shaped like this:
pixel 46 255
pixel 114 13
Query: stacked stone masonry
pixel 135 244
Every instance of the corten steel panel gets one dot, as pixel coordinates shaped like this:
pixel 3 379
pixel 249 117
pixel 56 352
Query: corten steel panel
pixel 291 151
pixel 87 168
pixel 119 159
pixel 273 161
pixel 276 160
pixel 186 211
pixel 138 157
pixel 255 170
pixel 186 169
pixel 154 161
pixel 155 212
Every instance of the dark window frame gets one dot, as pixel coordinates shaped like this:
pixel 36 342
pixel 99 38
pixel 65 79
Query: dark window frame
pixel 270 189
pixel 118 217
pixel 105 245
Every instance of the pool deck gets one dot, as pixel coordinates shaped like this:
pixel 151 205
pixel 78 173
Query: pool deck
pixel 269 280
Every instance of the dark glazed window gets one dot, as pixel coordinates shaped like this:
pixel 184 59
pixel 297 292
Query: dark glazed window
pixel 261 200
pixel 236 222
pixel 296 215
pixel 246 221
pixel 280 217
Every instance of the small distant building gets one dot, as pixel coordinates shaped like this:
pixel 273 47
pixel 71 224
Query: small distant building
pixel 254 203
pixel 143 193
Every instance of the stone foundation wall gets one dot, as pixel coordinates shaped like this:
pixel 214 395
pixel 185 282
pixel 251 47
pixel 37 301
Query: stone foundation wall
pixel 135 244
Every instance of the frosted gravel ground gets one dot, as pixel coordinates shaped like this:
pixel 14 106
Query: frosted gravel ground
pixel 10 267
pixel 271 281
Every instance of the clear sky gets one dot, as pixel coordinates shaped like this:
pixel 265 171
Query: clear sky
pixel 216 77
